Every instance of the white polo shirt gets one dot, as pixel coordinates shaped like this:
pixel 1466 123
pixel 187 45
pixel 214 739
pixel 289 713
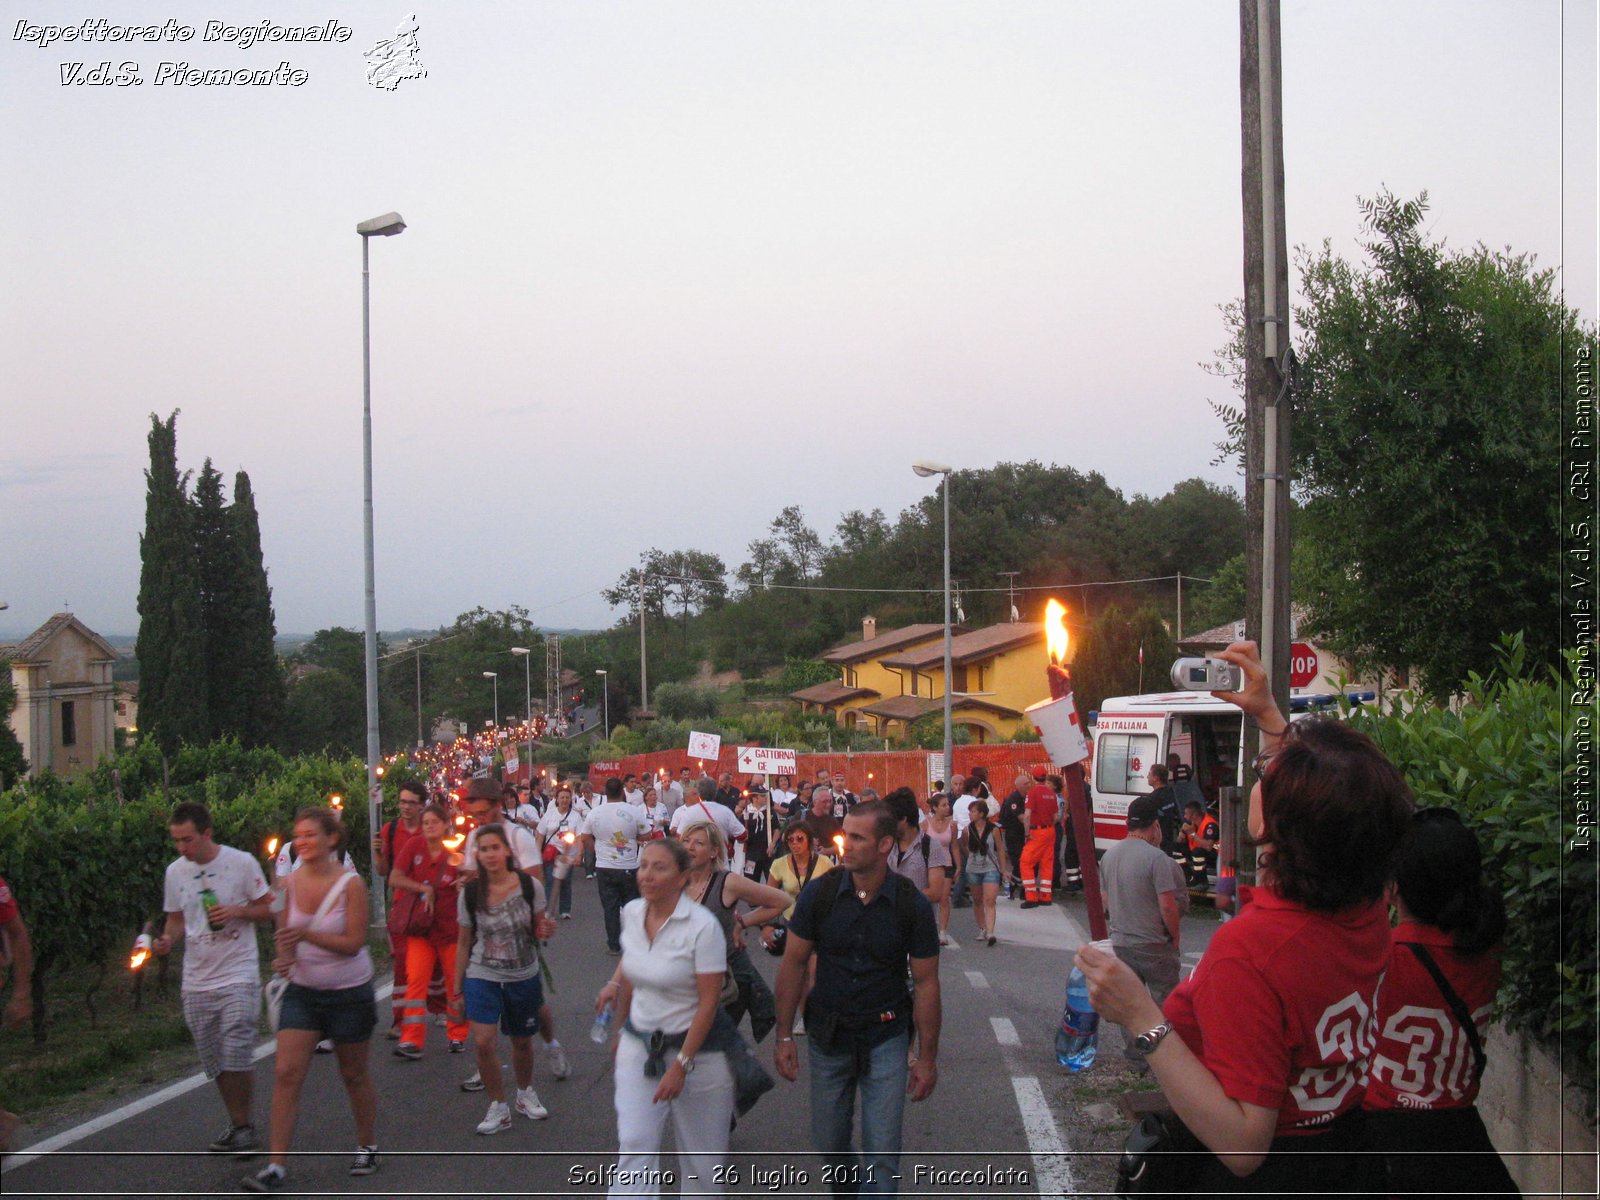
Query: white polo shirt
pixel 708 812
pixel 666 992
pixel 616 827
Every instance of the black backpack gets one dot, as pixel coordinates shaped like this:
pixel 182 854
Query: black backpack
pixel 904 904
pixel 527 895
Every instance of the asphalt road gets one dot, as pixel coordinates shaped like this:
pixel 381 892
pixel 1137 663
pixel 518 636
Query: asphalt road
pixel 1003 1107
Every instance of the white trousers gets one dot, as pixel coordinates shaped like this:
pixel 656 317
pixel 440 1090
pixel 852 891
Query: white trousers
pixel 701 1116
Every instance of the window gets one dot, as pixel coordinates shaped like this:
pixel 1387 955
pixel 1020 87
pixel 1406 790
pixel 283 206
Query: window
pixel 69 723
pixel 1122 760
pixel 913 683
pixel 958 676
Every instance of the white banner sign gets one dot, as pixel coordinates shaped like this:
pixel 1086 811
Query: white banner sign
pixel 936 771
pixel 763 760
pixel 705 745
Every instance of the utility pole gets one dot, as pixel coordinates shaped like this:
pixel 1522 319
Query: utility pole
pixel 644 675
pixel 1011 581
pixel 1179 636
pixel 1266 341
pixel 419 698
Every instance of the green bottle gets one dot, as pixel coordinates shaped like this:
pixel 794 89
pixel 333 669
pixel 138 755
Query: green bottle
pixel 209 901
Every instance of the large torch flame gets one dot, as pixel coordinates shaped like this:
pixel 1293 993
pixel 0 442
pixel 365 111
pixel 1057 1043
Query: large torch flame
pixel 141 952
pixel 838 843
pixel 1055 630
pixel 454 843
pixel 272 846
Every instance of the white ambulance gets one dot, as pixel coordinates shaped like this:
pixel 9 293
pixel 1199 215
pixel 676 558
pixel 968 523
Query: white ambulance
pixel 1131 733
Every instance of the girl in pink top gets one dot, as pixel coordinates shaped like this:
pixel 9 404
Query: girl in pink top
pixel 322 950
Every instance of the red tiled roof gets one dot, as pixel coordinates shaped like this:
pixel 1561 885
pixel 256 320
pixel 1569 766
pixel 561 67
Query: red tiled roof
pixel 830 693
pixel 971 647
pixel 884 643
pixel 25 650
pixel 903 708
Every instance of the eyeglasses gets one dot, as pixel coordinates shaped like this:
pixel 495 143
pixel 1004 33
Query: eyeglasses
pixel 1262 761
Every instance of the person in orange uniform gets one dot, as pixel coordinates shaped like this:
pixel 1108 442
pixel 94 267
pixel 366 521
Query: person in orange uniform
pixel 431 872
pixel 1039 854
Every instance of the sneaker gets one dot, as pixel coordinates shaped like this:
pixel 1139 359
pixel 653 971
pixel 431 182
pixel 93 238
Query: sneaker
pixel 325 1046
pixel 458 1047
pixel 566 916
pixel 408 1050
pixel 1030 904
pixel 239 1139
pixel 394 1033
pixel 270 1179
pixel 366 1160
pixel 496 1119
pixel 473 1082
pixel 993 939
pixel 557 1058
pixel 528 1105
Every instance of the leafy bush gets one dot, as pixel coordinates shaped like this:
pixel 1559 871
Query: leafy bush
pixel 685 702
pixel 1502 760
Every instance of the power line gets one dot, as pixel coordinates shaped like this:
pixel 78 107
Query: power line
pixel 878 591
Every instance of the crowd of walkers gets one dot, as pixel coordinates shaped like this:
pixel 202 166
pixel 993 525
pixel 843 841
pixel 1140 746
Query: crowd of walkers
pixel 1286 1066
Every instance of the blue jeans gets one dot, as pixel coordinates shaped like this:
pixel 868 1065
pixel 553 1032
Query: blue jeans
pixel 880 1074
pixel 617 887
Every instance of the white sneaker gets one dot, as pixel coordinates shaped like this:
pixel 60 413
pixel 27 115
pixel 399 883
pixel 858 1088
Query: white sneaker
pixel 473 1082
pixel 528 1105
pixel 557 1058
pixel 497 1118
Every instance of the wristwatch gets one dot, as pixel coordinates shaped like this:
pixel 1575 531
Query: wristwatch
pixel 687 1063
pixel 1144 1043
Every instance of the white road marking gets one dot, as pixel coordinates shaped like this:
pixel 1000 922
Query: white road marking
pixel 1004 1031
pixel 976 979
pixel 134 1107
pixel 1052 1169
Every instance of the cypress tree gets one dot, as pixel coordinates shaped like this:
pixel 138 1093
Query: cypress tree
pixel 171 646
pixel 216 576
pixel 259 685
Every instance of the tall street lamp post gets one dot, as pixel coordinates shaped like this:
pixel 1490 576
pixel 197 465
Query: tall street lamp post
pixel 495 675
pixel 605 701
pixel 526 656
pixel 385 226
pixel 927 469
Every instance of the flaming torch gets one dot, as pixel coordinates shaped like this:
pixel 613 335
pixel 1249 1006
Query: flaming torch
pixel 141 950
pixel 838 846
pixel 1056 721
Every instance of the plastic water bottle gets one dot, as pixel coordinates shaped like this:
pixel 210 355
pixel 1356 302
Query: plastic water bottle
pixel 601 1029
pixel 1079 1034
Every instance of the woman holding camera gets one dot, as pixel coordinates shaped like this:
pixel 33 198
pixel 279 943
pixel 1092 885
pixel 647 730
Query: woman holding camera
pixel 1263 1051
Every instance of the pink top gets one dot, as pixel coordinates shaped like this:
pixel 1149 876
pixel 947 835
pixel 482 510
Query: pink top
pixel 315 967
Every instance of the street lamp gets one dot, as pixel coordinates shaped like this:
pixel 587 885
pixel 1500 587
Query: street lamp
pixel 385 226
pixel 495 675
pixel 526 656
pixel 926 469
pixel 605 701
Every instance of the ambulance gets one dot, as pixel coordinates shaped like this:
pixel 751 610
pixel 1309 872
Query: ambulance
pixel 1132 733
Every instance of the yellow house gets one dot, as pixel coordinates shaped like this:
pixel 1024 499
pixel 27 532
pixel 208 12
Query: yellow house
pixel 861 679
pixel 998 671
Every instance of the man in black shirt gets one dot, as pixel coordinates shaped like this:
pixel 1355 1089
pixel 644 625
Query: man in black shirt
pixel 1166 802
pixel 864 923
pixel 1014 829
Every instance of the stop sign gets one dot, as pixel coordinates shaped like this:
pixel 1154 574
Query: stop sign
pixel 1302 664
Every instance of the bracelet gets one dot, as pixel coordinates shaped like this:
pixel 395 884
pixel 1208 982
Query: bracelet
pixel 789 1038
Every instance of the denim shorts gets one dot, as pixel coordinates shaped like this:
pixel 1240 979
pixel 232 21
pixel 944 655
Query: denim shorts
pixel 515 1006
pixel 342 1015
pixel 978 878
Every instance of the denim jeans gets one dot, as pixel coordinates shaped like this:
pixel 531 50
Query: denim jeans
pixel 880 1074
pixel 565 886
pixel 616 889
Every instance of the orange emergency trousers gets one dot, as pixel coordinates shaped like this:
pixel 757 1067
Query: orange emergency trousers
pixel 421 956
pixel 1038 862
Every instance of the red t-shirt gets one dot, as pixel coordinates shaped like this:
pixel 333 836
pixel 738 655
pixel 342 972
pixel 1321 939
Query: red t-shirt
pixel 8 913
pixel 1042 807
pixel 1282 1008
pixel 1423 1059
pixel 416 863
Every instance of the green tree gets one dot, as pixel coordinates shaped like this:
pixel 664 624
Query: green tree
pixel 1107 663
pixel 173 705
pixel 1427 417
pixel 259 684
pixel 215 577
pixel 13 762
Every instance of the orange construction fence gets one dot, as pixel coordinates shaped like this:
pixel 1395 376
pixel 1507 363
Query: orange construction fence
pixel 882 770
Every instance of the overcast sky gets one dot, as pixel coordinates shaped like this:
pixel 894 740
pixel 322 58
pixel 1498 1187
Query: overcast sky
pixel 671 266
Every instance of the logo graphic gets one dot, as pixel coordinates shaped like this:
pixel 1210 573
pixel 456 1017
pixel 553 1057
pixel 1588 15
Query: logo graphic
pixel 392 60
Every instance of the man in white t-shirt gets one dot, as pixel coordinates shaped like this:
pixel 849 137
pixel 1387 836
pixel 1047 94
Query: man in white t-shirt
pixel 672 794
pixel 703 809
pixel 481 808
pixel 214 896
pixel 612 832
pixel 632 790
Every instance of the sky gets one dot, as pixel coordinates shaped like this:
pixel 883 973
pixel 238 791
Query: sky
pixel 671 266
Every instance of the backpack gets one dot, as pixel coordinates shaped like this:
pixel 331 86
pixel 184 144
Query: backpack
pixel 527 895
